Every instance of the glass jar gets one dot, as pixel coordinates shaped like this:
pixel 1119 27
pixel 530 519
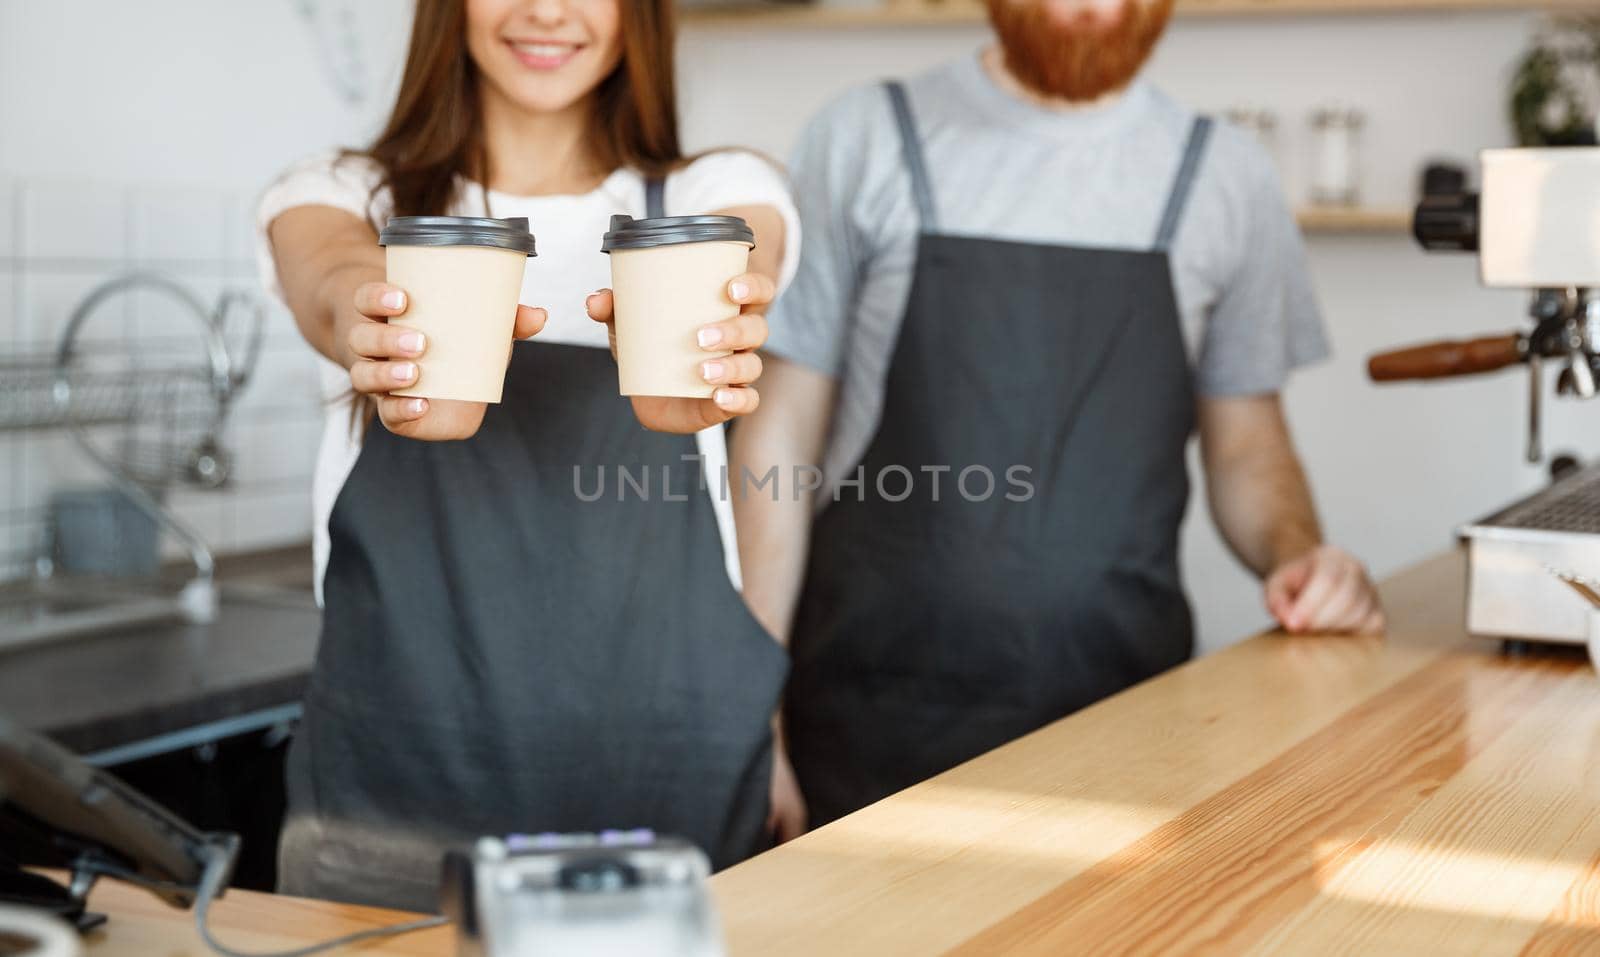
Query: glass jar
pixel 1260 123
pixel 1335 159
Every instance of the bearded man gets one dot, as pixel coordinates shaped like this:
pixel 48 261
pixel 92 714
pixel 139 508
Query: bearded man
pixel 1028 278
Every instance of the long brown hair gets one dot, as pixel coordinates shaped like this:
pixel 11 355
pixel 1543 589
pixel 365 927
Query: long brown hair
pixel 435 132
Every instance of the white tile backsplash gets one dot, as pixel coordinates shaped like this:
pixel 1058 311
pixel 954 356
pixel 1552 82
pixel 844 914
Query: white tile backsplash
pixel 59 240
pixel 207 514
pixel 289 344
pixel 276 450
pixel 11 548
pixel 20 548
pixel 239 241
pixel 249 313
pixel 47 299
pixel 278 322
pixel 166 320
pixel 282 334
pixel 272 520
pixel 12 445
pixel 73 220
pixel 10 325
pixel 179 224
pixel 286 383
pixel 52 461
pixel 9 222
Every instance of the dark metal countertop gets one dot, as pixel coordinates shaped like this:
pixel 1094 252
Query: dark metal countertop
pixel 108 691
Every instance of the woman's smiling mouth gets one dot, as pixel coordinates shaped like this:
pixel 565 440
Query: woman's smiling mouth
pixel 543 54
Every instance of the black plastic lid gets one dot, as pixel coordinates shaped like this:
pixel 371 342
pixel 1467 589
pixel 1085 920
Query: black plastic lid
pixel 458 231
pixel 629 233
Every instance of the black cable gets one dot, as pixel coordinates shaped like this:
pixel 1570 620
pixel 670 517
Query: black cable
pixel 220 862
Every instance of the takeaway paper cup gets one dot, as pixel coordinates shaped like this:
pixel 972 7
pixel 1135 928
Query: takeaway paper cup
pixel 669 277
pixel 462 276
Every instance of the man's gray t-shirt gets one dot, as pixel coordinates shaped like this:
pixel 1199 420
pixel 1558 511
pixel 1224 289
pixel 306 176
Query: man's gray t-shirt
pixel 1008 169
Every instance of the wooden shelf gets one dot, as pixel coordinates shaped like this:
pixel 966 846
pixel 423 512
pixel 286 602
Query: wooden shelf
pixel 933 12
pixel 1354 219
pixel 1313 219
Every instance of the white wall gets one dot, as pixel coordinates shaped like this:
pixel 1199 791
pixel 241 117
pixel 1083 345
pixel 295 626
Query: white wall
pixel 184 108
pixel 136 136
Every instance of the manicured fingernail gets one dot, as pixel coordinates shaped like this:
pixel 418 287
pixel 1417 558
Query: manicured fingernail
pixel 393 299
pixel 711 371
pixel 738 290
pixel 411 342
pixel 417 406
pixel 709 336
pixel 403 371
pixel 725 398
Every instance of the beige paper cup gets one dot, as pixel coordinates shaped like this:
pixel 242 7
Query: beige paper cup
pixel 463 278
pixel 669 278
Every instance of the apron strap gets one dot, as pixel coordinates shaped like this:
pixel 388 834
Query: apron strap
pixel 911 145
pixel 655 193
pixel 1199 132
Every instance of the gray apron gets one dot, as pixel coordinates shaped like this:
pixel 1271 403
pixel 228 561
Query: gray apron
pixel 935 627
pixel 500 656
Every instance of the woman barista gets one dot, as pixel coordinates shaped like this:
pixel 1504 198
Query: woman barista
pixel 499 654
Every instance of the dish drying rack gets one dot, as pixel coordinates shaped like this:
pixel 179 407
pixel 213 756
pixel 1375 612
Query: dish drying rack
pixel 148 411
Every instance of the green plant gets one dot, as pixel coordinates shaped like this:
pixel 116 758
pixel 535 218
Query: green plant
pixel 1552 92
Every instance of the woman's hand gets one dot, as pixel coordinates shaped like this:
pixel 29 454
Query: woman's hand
pixel 385 358
pixel 732 375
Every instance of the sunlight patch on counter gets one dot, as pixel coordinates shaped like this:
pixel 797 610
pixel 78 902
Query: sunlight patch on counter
pixel 1450 879
pixel 945 820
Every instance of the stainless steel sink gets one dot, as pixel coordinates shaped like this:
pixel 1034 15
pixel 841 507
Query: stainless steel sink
pixel 62 607
pixel 52 609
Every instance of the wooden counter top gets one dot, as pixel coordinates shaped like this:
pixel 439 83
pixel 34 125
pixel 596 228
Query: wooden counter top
pixel 1420 795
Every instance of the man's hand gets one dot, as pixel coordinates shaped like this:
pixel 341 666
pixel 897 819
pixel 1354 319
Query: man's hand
pixel 1325 590
pixel 786 819
pixel 1262 504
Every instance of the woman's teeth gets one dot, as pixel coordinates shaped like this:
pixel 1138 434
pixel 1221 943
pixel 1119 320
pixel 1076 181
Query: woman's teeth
pixel 544 51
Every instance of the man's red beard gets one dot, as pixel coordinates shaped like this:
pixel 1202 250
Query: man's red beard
pixel 1080 60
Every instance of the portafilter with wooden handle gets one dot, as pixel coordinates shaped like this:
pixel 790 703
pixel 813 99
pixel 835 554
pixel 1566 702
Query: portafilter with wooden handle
pixel 1439 360
pixel 1567 329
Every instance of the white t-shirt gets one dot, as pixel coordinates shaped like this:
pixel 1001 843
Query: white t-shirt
pixel 567 269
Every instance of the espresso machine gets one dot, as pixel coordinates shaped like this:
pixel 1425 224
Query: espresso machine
pixel 1534 566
